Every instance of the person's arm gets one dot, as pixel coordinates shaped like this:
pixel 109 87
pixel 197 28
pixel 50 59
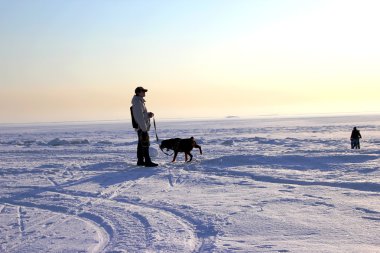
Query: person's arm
pixel 138 113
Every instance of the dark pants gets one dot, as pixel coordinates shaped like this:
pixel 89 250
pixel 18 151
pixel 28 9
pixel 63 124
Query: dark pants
pixel 355 143
pixel 143 149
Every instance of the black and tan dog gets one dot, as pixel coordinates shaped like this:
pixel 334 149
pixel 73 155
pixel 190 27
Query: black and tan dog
pixel 180 145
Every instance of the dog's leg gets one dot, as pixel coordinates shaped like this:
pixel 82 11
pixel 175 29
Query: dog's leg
pixel 191 157
pixel 175 155
pixel 185 157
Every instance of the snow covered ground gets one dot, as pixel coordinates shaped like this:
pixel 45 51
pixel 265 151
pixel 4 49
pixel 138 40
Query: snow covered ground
pixel 261 185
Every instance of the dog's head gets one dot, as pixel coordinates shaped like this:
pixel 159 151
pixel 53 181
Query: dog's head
pixel 169 144
pixel 164 144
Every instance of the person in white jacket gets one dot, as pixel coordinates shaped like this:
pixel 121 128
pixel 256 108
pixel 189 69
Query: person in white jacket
pixel 142 118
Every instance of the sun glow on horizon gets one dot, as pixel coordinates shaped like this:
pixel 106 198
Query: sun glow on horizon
pixel 74 61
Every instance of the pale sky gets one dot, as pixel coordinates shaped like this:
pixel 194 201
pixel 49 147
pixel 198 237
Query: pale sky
pixel 79 60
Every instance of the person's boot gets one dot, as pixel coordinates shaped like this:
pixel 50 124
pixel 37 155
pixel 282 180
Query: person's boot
pixel 151 164
pixel 148 161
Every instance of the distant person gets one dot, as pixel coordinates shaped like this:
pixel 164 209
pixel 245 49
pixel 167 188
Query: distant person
pixel 355 136
pixel 142 118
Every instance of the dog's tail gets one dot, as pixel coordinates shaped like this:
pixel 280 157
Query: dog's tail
pixel 197 146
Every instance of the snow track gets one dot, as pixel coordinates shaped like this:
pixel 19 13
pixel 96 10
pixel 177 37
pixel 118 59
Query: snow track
pixel 119 223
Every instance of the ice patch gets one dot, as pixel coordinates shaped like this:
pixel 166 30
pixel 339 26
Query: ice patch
pixel 228 143
pixel 104 143
pixel 59 142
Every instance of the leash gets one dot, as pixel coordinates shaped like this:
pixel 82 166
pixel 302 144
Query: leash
pixel 155 131
pixel 166 153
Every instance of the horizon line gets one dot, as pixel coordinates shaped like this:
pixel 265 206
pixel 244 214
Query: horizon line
pixel 228 117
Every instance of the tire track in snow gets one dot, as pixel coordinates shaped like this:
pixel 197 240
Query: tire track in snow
pixel 150 231
pixel 154 222
pixel 15 248
pixel 119 225
pixel 114 191
pixel 138 210
pixel 203 235
pixel 202 243
pixel 102 234
pixel 201 238
pixel 51 180
pixel 21 228
pixel 103 230
pixel 20 222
